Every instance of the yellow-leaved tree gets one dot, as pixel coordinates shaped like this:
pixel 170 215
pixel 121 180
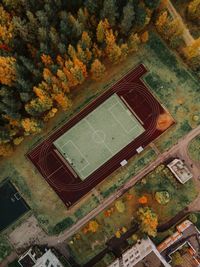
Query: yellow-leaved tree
pixel 93 226
pixel 7 70
pixel 148 221
pixel 194 10
pixel 6 26
pixel 97 70
pixel 113 51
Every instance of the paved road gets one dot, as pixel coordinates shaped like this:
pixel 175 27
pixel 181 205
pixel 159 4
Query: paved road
pixel 175 150
pixel 188 38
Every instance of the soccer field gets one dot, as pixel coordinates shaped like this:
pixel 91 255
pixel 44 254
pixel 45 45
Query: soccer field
pixel 99 136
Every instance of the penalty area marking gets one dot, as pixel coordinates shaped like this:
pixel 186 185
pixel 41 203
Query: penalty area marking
pixel 66 163
pixel 81 154
pixel 116 119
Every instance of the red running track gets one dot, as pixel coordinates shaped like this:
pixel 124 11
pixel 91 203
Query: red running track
pixel 70 188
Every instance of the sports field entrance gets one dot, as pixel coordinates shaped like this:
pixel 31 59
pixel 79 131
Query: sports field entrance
pixel 99 136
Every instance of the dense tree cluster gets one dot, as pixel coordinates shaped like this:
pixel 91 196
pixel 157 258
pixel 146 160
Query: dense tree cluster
pixel 148 221
pixel 47 47
pixel 172 31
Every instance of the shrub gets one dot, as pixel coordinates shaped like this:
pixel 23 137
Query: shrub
pixel 61 226
pixel 162 197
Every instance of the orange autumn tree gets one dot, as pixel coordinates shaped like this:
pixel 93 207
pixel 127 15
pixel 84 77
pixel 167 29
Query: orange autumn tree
pixel 161 20
pixel 133 42
pixel 63 83
pixel 62 100
pixel 51 113
pixel 192 50
pixel 83 55
pixel 129 197
pixel 118 234
pixel 194 10
pixel 58 86
pixel 112 50
pixel 170 29
pixel 124 51
pixel 42 102
pixel 46 59
pixel 93 226
pixel 85 40
pixel 31 126
pixel 80 66
pixel 6 26
pixel 144 37
pixel 71 51
pixel 109 212
pixel 143 200
pixel 75 72
pixel 148 221
pixel 7 70
pixel 191 53
pixel 97 70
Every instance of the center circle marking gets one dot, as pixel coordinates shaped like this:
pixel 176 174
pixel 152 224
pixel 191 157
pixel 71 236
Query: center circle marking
pixel 99 136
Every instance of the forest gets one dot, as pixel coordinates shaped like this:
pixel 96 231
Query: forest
pixel 49 47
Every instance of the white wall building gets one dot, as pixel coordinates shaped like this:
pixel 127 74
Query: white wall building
pixel 34 258
pixel 144 250
pixel 180 170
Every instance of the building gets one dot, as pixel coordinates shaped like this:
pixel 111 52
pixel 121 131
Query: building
pixel 180 170
pixel 186 240
pixel 35 257
pixel 144 252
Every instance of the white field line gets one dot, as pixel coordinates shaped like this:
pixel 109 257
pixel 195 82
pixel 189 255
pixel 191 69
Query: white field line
pixel 54 172
pixel 73 144
pixel 132 110
pixel 116 119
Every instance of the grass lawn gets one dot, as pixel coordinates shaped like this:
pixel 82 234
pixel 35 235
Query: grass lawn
pixel 176 88
pixel 170 82
pixel 85 245
pixel 5 248
pixel 194 149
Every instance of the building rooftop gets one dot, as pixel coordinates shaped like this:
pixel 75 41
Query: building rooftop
pixel 48 260
pixel 26 260
pixel 186 234
pixel 144 251
pixel 180 170
pixel 35 258
pixel 150 260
